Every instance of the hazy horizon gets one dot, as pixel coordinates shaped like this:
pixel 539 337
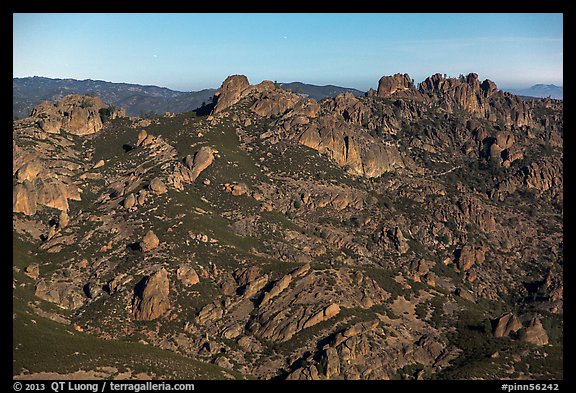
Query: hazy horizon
pixel 253 82
pixel 191 52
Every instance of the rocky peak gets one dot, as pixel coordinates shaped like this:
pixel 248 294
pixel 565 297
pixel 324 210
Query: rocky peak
pixel 483 99
pixel 230 92
pixel 389 85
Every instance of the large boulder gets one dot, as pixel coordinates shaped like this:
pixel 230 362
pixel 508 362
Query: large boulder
pixel 535 333
pixel 507 324
pixel 192 167
pixel 187 275
pixel 469 255
pixel 149 242
pixel 151 296
pixel 203 158
pixel 158 186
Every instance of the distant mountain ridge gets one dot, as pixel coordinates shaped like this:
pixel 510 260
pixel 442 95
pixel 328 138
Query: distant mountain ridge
pixel 318 92
pixel 136 99
pixel 540 91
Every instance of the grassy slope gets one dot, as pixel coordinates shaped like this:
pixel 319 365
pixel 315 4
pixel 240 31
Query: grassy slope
pixel 41 345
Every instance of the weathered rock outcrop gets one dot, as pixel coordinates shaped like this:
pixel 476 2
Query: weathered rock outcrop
pixel 192 167
pixel 482 99
pixel 468 256
pixel 75 114
pixel 24 199
pixel 543 175
pixel 535 333
pixel 349 107
pixel 158 186
pixel 388 85
pixel 187 275
pixel 507 324
pixel 472 210
pixel 48 192
pixel 275 103
pixel 149 242
pixel 230 92
pixel 63 292
pixel 29 171
pixel 355 149
pixel 151 296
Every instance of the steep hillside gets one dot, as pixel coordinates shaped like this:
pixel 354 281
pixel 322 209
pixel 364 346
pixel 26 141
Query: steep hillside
pixel 415 233
pixel 137 100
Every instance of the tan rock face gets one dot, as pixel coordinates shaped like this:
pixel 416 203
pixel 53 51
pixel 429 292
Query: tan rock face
pixel 209 313
pixel 255 286
pixel 278 287
pixel 469 256
pixel 151 297
pixel 42 179
pixel 99 164
pixel 349 107
pixel 192 167
pixel 24 199
pixel 323 315
pixel 141 137
pixel 53 193
pixel 187 275
pixel 29 171
pixel 130 201
pixel 203 158
pixel 149 242
pixel 63 219
pixel 32 271
pixel 389 85
pixel 358 151
pixel 483 99
pixel 331 363
pixel 158 186
pixel 230 92
pixel 65 293
pixel 75 114
pixel 507 323
pixel 535 333
pixel 331 311
pixel 275 103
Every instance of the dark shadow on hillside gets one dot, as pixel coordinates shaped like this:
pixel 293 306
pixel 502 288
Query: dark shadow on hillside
pixel 139 289
pixel 134 246
pixel 204 110
pixel 87 291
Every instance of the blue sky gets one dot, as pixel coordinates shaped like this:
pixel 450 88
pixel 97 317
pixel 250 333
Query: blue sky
pixel 196 51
